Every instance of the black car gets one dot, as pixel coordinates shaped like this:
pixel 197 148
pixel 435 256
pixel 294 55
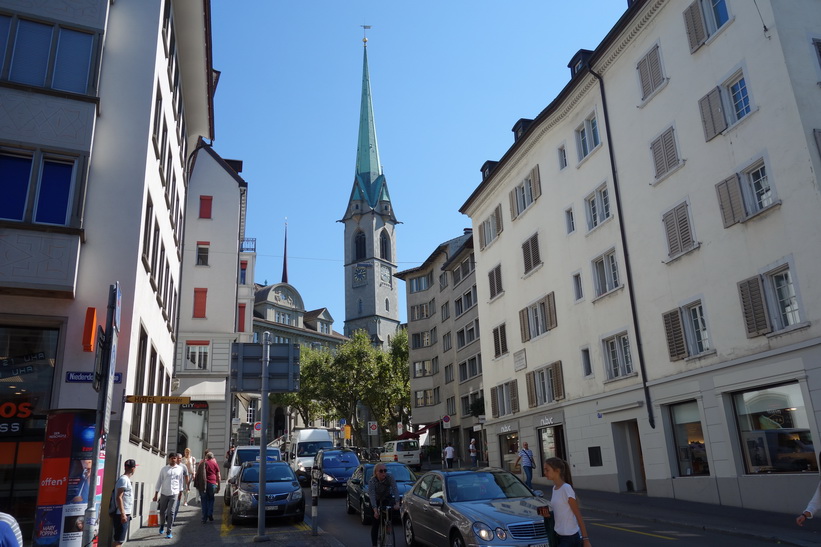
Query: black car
pixel 357 489
pixel 283 495
pixel 334 466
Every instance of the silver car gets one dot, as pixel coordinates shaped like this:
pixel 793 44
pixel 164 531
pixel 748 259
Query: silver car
pixel 469 508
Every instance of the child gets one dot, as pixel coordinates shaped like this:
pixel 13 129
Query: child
pixel 568 518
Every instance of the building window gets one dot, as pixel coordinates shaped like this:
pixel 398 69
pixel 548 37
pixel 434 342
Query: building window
pixel 525 193
pixel 504 399
pixel 578 291
pixel 467 334
pixel 606 273
pixel 650 74
pixel 451 406
pixel 359 245
pixel 468 401
pixel 446 342
pixel 538 318
pixel 688 436
pixel 463 269
pixel 725 105
pixel 470 368
pixel 443 281
pixel 490 228
pixel 569 220
pixel 495 280
pixel 202 253
pixel 587 136
pixel 678 230
pixel 665 153
pixel 422 311
pixel 196 355
pixel 428 367
pixel 545 385
pixel 769 302
pixel 465 302
pixel 745 194
pixel 387 305
pixel 448 373
pixel 617 355
pixel 499 341
pixel 427 397
pixel 702 19
pixel 243 272
pixel 284 318
pixel 48 199
pixel 421 283
pixel 445 310
pixel 205 206
pixel 562 157
pixel 423 339
pixel 530 253
pixel 739 97
pixel 587 365
pixel 774 430
pixel 597 205
pixel 686 331
pixel 384 245
pixel 252 410
pixel 200 297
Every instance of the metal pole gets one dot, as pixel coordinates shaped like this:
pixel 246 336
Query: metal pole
pixel 263 441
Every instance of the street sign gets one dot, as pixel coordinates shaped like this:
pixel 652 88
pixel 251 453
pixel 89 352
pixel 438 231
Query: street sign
pixel 157 400
pixel 246 368
pixel 446 421
pixel 257 429
pixel 400 428
pixel 342 421
pixel 373 428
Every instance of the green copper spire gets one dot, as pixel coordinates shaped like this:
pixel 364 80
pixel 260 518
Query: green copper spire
pixel 369 184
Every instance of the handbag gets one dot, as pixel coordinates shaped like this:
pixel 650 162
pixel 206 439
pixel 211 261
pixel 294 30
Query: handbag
pixel 199 477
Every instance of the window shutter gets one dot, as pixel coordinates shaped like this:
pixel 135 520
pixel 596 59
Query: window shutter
pixel 481 237
pixel 668 142
pixel 674 330
pixel 534 250
pixel 694 25
pixel 491 278
pixel 512 196
pixel 200 299
pixel 494 404
pixel 498 275
pixel 654 62
pixel 753 307
pixel 730 200
pixel 558 381
pixel 524 325
pixel 526 255
pixel 657 150
pixel 530 379
pixel 712 114
pixel 677 229
pixel 817 133
pixel 644 76
pixel 536 181
pixel 514 396
pixel 503 338
pixel 205 206
pixel 550 306
pixel 498 213
pixel 497 346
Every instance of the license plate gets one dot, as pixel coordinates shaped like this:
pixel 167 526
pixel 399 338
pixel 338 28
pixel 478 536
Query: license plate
pixel 539 545
pixel 279 508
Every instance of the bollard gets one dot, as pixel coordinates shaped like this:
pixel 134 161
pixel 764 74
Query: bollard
pixel 314 505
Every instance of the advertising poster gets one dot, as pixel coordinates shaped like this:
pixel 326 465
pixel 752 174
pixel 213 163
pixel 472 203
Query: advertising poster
pixel 65 479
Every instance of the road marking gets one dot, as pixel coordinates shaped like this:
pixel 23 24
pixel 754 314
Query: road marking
pixel 633 531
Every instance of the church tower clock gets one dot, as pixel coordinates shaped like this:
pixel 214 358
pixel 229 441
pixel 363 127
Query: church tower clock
pixel 371 295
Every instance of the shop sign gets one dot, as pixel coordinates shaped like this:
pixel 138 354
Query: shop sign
pixel 506 428
pixel 546 420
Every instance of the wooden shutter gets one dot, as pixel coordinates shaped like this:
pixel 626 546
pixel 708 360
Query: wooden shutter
pixel 502 338
pixel 677 229
pixel 530 380
pixel 534 250
pixel 200 298
pixel 674 330
pixel 512 196
pixel 498 213
pixel 524 325
pixel 497 274
pixel 536 182
pixel 494 404
pixel 558 381
pixel 514 395
pixel 491 279
pixel 817 133
pixel 241 318
pixel 526 256
pixel 650 76
pixel 550 308
pixel 712 114
pixel 205 206
pixel 657 150
pixel 730 200
pixel 497 345
pixel 481 239
pixel 694 25
pixel 753 307
pixel 644 76
pixel 668 144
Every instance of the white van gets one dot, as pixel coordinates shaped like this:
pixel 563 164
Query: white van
pixel 406 452
pixel 302 449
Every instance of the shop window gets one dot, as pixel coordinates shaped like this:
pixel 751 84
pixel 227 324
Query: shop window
pixel 691 452
pixel 774 430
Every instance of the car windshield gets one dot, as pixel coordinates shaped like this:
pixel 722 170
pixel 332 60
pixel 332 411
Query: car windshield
pixel 310 449
pixel 340 459
pixel 400 473
pixel 485 485
pixel 273 473
pixel 407 446
pixel 246 455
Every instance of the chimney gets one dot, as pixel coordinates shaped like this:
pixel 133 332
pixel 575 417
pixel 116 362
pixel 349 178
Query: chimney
pixel 468 231
pixel 236 165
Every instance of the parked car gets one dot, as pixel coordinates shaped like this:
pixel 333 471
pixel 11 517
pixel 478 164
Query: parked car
pixel 404 451
pixel 244 454
pixel 283 494
pixel 473 507
pixel 334 467
pixel 357 487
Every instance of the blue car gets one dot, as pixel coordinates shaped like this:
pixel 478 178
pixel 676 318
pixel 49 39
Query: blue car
pixel 334 466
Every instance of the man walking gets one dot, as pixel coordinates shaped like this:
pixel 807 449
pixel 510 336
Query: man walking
pixel 123 503
pixel 474 453
pixel 168 488
pixel 526 457
pixel 449 453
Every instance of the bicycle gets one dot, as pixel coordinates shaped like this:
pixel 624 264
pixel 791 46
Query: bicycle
pixel 386 536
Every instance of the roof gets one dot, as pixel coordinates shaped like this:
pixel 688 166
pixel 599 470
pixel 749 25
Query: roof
pixel 448 248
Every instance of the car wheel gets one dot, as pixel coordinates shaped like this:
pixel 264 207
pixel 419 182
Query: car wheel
pixel 364 517
pixel 456 540
pixel 410 539
pixel 348 507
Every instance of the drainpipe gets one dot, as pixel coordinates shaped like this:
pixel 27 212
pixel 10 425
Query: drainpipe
pixel 628 269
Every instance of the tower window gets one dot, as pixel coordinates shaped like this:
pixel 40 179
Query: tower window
pixel 359 246
pixel 387 305
pixel 384 245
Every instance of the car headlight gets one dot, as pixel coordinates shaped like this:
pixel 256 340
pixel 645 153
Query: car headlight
pixel 296 495
pixel 327 477
pixel 244 498
pixel 501 533
pixel 301 467
pixel 483 531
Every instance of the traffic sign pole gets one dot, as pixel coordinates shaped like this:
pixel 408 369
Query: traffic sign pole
pixel 263 441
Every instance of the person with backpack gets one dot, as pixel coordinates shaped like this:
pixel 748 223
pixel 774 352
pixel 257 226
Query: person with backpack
pixel 122 503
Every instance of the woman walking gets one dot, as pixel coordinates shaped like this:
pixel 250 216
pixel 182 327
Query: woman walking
pixel 190 463
pixel 208 470
pixel 569 523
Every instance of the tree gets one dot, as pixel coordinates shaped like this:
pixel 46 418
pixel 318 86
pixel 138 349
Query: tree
pixel 389 400
pixel 306 401
pixel 477 407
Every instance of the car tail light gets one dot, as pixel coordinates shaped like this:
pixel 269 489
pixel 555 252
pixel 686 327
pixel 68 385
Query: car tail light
pixel 395 458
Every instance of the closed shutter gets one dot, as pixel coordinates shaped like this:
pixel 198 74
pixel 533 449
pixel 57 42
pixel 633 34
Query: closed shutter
pixel 481 238
pixel 677 229
pixel 644 76
pixel 558 381
pixel 498 214
pixel 524 325
pixel 657 150
pixel 200 298
pixel 550 307
pixel 512 196
pixel 694 25
pixel 491 279
pixel 205 206
pixel 497 345
pixel 753 307
pixel 530 380
pixel 730 201
pixel 668 143
pixel 712 114
pixel 528 260
pixel 494 404
pixel 650 76
pixel 536 181
pixel 817 133
pixel 674 330
pixel 241 318
pixel 502 339
pixel 534 250
pixel 514 396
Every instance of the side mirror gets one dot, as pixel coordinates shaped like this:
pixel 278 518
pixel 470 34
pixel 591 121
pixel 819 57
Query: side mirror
pixel 436 502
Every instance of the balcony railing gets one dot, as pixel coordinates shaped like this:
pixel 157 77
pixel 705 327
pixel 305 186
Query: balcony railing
pixel 248 245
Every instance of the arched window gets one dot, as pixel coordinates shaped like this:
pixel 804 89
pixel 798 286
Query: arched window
pixel 387 305
pixel 359 245
pixel 384 245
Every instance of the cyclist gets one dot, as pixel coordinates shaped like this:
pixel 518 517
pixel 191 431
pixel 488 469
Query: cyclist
pixel 382 492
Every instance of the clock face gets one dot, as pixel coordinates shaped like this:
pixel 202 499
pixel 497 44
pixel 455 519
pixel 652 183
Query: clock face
pixel 386 273
pixel 360 275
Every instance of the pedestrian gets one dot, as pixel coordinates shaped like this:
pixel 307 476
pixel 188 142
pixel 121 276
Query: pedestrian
pixel 382 492
pixel 449 452
pixel 185 480
pixel 229 456
pixel 569 524
pixel 474 453
pixel 10 535
pixel 526 457
pixel 189 462
pixel 168 489
pixel 123 503
pixel 211 472
pixel 813 506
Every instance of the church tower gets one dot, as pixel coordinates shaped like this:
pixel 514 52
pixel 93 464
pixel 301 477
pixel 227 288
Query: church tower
pixel 371 295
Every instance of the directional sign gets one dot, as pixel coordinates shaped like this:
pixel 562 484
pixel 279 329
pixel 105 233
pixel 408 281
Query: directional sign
pixel 157 399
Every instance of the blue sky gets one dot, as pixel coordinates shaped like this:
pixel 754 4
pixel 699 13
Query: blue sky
pixel 449 79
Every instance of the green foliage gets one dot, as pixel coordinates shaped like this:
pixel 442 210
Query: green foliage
pixel 306 401
pixel 389 400
pixel 477 407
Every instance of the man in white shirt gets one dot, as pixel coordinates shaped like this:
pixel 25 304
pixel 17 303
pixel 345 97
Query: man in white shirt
pixel 122 503
pixel 169 485
pixel 449 453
